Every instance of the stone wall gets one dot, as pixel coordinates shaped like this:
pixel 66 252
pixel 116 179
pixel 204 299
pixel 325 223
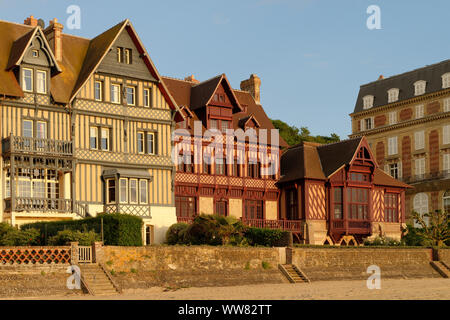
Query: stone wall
pixel 444 255
pixel 142 267
pixel 352 263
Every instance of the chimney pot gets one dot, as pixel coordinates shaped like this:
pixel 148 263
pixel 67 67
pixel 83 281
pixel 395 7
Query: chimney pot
pixel 31 21
pixel 253 85
pixel 381 77
pixel 191 78
pixel 54 36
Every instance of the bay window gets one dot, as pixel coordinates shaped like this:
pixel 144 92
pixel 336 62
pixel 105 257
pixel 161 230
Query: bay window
pixel 358 203
pixel 338 202
pixel 391 207
pixel 123 190
pixel 133 191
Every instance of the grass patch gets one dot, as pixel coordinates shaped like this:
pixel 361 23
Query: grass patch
pixel 247 266
pixel 109 262
pixel 133 270
pixel 265 265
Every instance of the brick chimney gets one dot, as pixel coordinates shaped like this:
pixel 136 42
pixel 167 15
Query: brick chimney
pixel 54 37
pixel 381 77
pixel 253 85
pixel 191 79
pixel 31 21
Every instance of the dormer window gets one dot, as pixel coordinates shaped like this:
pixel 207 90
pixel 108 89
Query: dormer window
pixel 27 80
pixel 419 87
pixel 368 102
pixel 393 95
pixel 41 81
pixel 446 81
pixel 128 57
pixel 124 55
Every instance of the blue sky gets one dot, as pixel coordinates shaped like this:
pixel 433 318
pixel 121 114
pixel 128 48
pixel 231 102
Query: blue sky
pixel 311 55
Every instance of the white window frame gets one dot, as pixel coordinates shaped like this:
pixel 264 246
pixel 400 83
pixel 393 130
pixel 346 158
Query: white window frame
pixel 127 56
pixel 23 128
pixel 141 183
pixel 133 95
pixel 392 117
pixel 123 192
pixel 393 169
pixel 447 105
pixel 24 87
pixel 153 142
pixel 45 130
pixel 446 134
pixel 421 206
pixel 138 139
pixel 102 136
pixel 147 97
pixel 419 140
pixel 136 190
pixel 39 84
pixel 100 88
pixel 392 146
pixel 420 167
pixel 393 95
pixel 446 162
pixel 420 111
pixel 93 133
pixel 115 93
pixel 420 87
pixel 446 80
pixel 364 125
pixel 368 102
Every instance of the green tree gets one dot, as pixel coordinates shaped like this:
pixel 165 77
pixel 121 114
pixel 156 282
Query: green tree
pixel 434 226
pixel 293 135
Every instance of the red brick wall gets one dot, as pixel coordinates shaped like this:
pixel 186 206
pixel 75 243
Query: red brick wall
pixel 433 107
pixel 406 114
pixel 406 156
pixel 434 151
pixel 380 121
pixel 380 153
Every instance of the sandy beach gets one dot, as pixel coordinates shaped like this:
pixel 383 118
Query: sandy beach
pixel 402 289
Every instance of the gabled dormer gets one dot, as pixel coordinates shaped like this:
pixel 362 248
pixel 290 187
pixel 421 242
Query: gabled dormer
pixel 248 122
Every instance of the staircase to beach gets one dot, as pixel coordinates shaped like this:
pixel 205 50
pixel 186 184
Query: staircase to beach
pixel 293 273
pixel 97 280
pixel 442 268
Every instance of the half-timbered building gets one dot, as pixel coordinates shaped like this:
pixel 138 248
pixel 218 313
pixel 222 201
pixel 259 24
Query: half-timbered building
pixel 85 127
pixel 336 194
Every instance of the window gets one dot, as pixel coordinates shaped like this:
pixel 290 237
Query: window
pixel 420 205
pixel 187 165
pixel 419 87
pixel 41 130
pixel 143 191
pixel 119 54
pixel 391 207
pixel 394 170
pixel 446 81
pixel 358 203
pixel 130 96
pixel 419 140
pixel 368 102
pixel 41 81
pixel 185 206
pixel 98 91
pixel 446 134
pixel 446 162
pixel 393 95
pixel 368 123
pixel 392 146
pixel 207 164
pixel 93 139
pixel 419 168
pixel 236 168
pixel 253 170
pixel 140 142
pixel 221 207
pixel 151 143
pixel 447 105
pixel 105 139
pixel 392 118
pixel 128 56
pixel 133 191
pixel 213 124
pixel 149 231
pixel 27 80
pixel 123 190
pixel 220 167
pixel 27 128
pixel 292 204
pixel 338 203
pixel 147 98
pixel 253 209
pixel 419 111
pixel 115 93
pixel 359 177
pixel 35 53
pixel 225 125
pixel 111 194
pixel 446 201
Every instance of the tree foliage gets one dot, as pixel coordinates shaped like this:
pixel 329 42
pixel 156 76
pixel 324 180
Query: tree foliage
pixel 293 135
pixel 434 227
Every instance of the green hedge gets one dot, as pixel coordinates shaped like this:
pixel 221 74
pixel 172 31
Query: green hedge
pixel 118 229
pixel 266 237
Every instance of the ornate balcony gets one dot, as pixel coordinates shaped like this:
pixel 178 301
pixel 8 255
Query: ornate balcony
pixel 20 204
pixel 286 225
pixel 439 175
pixel 36 146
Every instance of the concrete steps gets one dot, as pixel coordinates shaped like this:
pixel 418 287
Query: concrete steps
pixel 293 273
pixel 97 281
pixel 442 268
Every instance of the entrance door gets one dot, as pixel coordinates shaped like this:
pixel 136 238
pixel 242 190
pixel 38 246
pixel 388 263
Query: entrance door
pixel 221 207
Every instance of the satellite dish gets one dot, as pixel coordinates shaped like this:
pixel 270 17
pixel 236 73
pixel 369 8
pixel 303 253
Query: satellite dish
pixel 41 23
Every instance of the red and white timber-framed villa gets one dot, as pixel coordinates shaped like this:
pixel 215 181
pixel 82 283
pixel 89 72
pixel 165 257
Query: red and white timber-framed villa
pixel 339 194
pixel 224 188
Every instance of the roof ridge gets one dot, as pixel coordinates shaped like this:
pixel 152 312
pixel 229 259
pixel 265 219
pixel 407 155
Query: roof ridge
pixel 177 79
pixel 346 140
pixel 210 79
pixel 17 23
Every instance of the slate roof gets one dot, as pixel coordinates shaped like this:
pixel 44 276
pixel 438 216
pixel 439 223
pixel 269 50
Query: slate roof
pixel 432 74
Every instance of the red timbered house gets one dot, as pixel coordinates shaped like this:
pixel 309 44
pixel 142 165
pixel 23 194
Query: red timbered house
pixel 337 194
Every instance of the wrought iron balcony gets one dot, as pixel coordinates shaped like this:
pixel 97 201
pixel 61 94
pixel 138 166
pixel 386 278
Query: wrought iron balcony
pixel 16 144
pixel 439 175
pixel 20 204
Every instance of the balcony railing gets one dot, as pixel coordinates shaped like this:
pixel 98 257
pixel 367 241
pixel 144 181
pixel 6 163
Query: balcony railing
pixel 185 219
pixel 39 204
pixel 286 225
pixel 439 175
pixel 354 226
pixel 140 210
pixel 16 144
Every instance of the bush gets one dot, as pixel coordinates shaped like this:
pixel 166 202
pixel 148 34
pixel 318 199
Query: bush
pixel 65 237
pixel 118 229
pixel 264 237
pixel 382 241
pixel 16 237
pixel 175 233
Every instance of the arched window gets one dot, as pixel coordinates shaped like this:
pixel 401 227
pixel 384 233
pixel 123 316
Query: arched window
pixel 421 206
pixel 446 201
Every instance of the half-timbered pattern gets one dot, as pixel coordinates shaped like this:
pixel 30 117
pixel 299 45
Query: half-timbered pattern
pixel 85 127
pixel 234 184
pixel 406 119
pixel 336 194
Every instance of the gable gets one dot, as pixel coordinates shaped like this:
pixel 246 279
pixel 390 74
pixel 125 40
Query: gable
pixel 137 69
pixel 38 54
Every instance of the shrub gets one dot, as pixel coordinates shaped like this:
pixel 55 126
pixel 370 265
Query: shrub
pixel 175 233
pixel 382 241
pixel 16 237
pixel 118 229
pixel 64 237
pixel 265 265
pixel 264 237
